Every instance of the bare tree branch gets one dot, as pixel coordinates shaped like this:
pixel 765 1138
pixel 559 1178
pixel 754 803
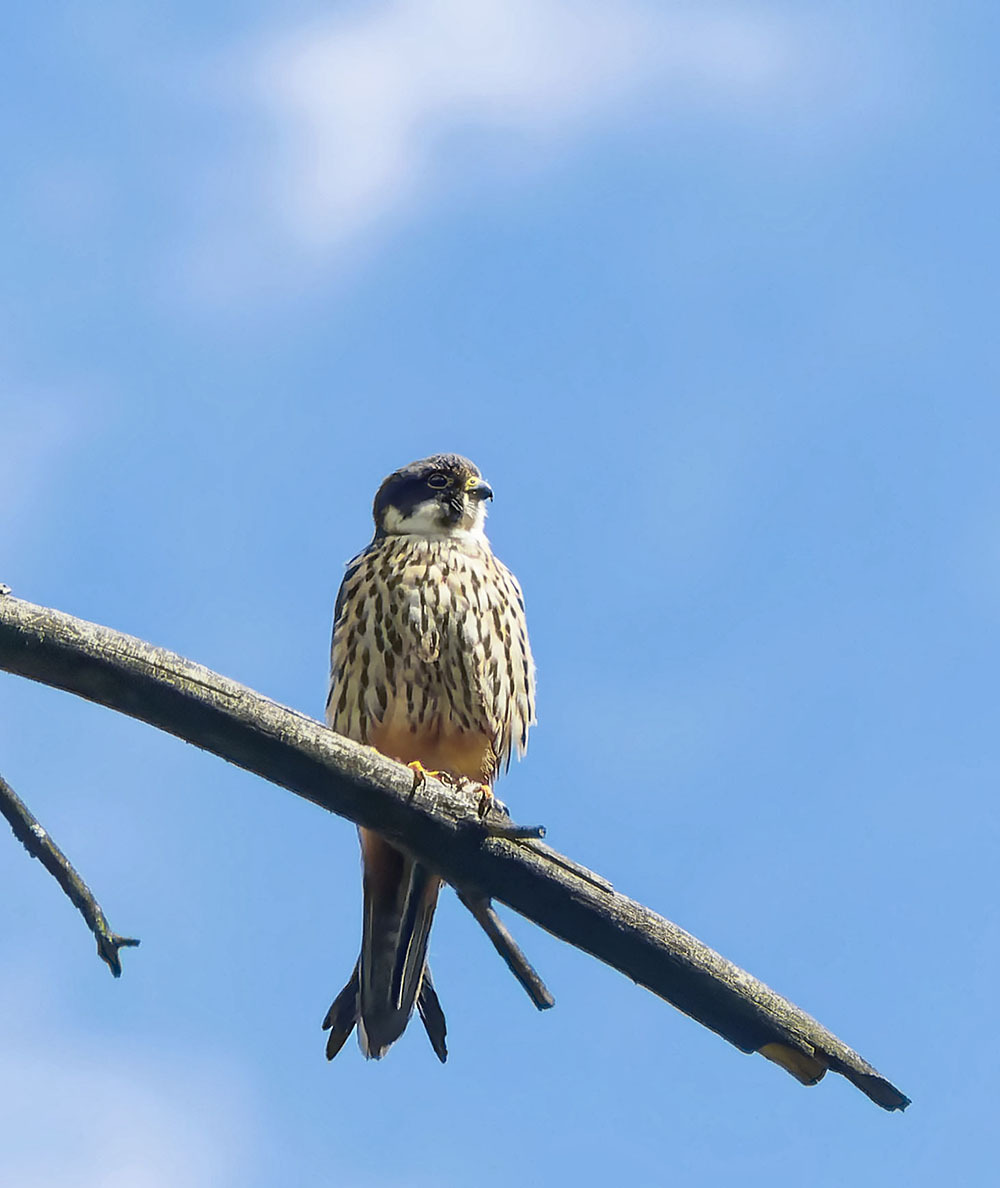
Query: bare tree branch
pixel 435 823
pixel 40 845
pixel 509 950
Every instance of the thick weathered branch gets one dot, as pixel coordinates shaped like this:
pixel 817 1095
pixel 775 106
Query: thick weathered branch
pixel 436 823
pixel 40 845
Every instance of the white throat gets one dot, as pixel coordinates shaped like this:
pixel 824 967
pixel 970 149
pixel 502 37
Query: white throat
pixel 425 521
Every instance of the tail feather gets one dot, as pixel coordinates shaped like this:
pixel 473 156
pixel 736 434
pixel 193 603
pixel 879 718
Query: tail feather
pixel 432 1016
pixel 400 898
pixel 420 900
pixel 342 1015
pixel 391 976
pixel 345 1013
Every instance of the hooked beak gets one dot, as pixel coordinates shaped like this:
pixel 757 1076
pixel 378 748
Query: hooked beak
pixel 479 489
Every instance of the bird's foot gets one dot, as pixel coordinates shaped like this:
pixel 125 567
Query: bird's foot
pixel 483 793
pixel 485 801
pixel 493 816
pixel 420 774
pixel 488 802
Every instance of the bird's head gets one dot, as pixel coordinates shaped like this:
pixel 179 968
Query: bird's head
pixel 444 495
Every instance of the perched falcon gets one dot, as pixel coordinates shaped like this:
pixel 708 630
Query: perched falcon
pixel 430 665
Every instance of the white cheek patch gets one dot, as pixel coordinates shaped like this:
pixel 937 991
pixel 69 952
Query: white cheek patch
pixel 424 520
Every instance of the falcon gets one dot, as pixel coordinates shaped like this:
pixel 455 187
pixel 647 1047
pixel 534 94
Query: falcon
pixel 430 665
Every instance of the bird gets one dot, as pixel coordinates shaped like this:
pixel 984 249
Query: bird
pixel 430 664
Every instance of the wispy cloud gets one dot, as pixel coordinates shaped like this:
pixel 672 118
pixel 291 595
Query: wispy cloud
pixel 360 106
pixel 362 103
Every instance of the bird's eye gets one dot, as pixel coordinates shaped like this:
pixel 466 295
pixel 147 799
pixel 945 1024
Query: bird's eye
pixel 438 481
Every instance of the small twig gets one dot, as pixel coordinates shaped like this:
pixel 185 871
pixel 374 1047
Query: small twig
pixel 39 845
pixel 508 830
pixel 494 817
pixel 507 947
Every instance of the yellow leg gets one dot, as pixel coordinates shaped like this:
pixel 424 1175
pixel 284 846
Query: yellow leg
pixel 485 800
pixel 420 774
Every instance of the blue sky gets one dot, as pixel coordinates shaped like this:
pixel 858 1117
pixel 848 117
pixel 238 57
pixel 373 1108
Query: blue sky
pixel 708 291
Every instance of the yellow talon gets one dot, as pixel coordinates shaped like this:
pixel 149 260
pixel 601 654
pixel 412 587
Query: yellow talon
pixel 485 800
pixel 420 774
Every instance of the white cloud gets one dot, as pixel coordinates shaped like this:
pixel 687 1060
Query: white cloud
pixel 361 102
pixel 360 107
